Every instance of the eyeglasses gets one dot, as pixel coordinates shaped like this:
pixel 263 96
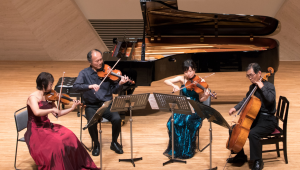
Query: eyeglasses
pixel 249 75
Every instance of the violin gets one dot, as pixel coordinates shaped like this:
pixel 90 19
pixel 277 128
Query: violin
pixel 54 96
pixel 114 75
pixel 198 86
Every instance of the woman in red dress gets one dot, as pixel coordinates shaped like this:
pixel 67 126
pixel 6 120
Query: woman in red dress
pixel 52 146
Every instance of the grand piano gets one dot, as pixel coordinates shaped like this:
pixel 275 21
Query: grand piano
pixel 216 42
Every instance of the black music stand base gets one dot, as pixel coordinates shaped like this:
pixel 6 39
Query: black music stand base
pixel 131 160
pixel 172 161
pixel 215 168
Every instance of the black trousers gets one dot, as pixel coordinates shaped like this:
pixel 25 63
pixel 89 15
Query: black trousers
pixel 113 117
pixel 262 126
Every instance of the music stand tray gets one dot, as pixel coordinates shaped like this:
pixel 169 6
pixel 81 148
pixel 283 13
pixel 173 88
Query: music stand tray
pixel 130 102
pixel 95 119
pixel 173 103
pixel 212 116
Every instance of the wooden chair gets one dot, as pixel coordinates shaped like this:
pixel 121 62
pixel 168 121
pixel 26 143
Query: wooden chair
pixel 279 135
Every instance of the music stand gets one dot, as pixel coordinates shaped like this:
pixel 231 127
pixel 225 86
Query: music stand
pixel 130 102
pixel 173 103
pixel 212 116
pixel 95 119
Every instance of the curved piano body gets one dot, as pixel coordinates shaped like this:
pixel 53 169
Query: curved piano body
pixel 216 42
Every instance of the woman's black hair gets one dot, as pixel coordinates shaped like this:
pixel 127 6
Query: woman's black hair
pixel 43 80
pixel 187 64
pixel 256 68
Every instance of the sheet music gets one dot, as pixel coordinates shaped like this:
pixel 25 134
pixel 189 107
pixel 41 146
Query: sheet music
pixel 152 102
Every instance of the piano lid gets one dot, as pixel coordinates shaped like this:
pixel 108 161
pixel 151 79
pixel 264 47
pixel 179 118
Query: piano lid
pixel 162 18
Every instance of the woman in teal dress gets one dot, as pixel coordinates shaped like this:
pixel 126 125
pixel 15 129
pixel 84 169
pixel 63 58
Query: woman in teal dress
pixel 185 126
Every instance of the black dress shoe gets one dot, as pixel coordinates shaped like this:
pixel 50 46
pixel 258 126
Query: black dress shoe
pixel 115 146
pixel 96 150
pixel 120 146
pixel 258 165
pixel 238 159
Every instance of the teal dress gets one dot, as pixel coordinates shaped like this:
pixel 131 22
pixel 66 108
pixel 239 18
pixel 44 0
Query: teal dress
pixel 185 128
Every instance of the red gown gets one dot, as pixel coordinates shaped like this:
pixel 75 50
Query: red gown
pixel 53 146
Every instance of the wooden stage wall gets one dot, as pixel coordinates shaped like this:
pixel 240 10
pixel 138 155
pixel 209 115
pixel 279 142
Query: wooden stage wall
pixel 150 136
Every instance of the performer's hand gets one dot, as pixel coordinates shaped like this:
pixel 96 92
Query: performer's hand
pixel 94 86
pixel 231 111
pixel 55 112
pixel 206 93
pixel 259 84
pixel 75 103
pixel 123 80
pixel 175 88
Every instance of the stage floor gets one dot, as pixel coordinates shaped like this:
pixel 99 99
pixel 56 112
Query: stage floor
pixel 150 137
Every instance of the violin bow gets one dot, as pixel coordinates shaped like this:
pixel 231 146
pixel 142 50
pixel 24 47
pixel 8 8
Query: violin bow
pixel 109 72
pixel 192 83
pixel 62 82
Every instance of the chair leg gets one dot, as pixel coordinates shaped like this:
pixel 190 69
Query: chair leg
pixel 285 152
pixel 277 149
pixel 16 152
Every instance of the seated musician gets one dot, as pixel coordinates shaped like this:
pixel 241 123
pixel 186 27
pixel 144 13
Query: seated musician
pixel 52 146
pixel 265 121
pixel 185 126
pixel 94 96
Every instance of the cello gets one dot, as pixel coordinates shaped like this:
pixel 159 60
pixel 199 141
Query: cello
pixel 248 113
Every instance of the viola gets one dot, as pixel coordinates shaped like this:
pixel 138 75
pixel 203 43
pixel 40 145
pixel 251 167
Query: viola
pixel 114 75
pixel 198 86
pixel 54 96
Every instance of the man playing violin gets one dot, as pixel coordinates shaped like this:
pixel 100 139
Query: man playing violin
pixel 265 121
pixel 94 96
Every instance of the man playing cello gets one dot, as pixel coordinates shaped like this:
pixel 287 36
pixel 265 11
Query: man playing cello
pixel 265 121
